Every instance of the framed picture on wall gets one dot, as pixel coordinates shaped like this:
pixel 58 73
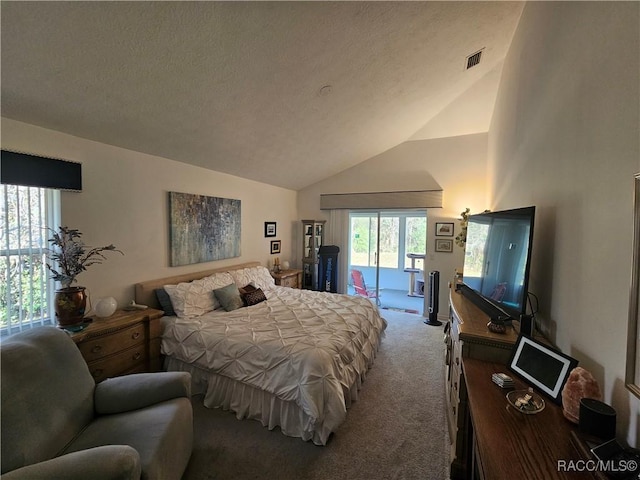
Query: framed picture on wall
pixel 444 229
pixel 443 245
pixel 275 246
pixel 269 229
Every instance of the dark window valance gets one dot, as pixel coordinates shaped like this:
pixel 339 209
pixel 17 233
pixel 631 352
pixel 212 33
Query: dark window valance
pixel 382 200
pixel 34 171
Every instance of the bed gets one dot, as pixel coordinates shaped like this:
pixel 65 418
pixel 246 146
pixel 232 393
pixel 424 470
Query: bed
pixel 289 358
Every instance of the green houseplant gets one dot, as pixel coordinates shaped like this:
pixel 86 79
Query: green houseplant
pixel 68 257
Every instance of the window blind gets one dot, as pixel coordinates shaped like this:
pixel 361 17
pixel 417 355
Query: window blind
pixel 382 200
pixel 34 171
pixel 25 289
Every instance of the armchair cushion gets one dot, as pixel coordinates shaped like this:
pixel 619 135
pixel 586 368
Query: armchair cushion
pixel 139 390
pixel 109 462
pixel 162 434
pixel 47 395
pixel 56 423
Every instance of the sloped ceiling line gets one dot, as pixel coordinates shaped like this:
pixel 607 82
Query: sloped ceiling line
pixel 233 86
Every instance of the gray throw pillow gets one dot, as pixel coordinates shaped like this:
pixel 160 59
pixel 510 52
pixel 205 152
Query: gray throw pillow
pixel 229 297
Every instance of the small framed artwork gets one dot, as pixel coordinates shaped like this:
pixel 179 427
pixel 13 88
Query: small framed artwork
pixel 443 245
pixel 444 229
pixel 275 246
pixel 269 229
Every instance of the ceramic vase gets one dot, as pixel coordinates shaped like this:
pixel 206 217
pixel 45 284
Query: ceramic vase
pixel 70 305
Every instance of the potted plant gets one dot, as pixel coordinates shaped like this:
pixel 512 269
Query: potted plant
pixel 69 257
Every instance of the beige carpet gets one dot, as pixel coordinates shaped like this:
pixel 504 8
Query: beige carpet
pixel 396 430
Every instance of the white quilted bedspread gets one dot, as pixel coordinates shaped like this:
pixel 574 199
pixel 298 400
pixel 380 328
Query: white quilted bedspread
pixel 302 346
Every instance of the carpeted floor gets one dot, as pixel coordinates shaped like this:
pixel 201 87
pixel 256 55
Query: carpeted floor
pixel 396 430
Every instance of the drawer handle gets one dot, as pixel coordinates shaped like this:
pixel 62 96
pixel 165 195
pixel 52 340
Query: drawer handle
pixel 137 356
pixel 96 349
pixel 97 373
pixel 135 335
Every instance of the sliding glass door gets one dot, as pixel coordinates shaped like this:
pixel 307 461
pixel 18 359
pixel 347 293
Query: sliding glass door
pixel 380 244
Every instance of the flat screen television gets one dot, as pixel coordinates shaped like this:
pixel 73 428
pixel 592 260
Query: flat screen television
pixel 497 261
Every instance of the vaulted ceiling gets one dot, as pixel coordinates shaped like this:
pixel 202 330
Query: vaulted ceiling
pixel 285 93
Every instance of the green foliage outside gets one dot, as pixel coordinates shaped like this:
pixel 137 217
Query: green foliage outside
pixel 23 279
pixel 23 289
pixel 364 239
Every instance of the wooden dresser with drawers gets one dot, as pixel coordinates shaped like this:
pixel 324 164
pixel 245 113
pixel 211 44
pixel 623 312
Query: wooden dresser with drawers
pixel 126 342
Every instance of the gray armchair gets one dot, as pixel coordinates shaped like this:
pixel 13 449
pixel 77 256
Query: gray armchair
pixel 57 423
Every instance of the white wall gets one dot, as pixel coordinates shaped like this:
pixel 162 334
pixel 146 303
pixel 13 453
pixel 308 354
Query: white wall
pixel 564 137
pixel 125 202
pixel 457 165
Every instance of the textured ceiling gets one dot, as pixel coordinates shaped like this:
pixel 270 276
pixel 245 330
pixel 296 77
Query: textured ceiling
pixel 237 87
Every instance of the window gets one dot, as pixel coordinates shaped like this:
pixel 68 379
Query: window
pixel 415 239
pixel 26 291
pixel 400 233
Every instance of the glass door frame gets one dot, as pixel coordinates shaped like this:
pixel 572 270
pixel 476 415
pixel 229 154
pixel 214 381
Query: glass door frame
pixel 402 234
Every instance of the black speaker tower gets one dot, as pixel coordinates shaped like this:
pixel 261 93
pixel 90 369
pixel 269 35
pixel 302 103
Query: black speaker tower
pixel 434 295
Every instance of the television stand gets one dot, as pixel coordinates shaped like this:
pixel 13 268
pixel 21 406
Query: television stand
pixel 485 436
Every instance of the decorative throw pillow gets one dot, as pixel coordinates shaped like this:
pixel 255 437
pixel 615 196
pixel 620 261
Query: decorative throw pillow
pixel 165 302
pixel 254 297
pixel 229 297
pixel 217 280
pixel 247 288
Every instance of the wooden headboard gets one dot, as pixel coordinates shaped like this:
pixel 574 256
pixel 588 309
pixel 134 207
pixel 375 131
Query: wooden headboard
pixel 145 291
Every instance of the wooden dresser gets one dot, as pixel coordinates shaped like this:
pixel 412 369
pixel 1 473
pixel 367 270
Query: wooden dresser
pixel 288 278
pixel 489 439
pixel 468 337
pixel 126 342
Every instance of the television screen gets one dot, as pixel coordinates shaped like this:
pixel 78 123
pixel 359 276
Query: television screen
pixel 497 260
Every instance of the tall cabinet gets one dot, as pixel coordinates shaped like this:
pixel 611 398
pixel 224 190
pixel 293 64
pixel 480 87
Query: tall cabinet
pixel 312 240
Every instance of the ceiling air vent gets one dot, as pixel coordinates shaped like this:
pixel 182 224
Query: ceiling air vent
pixel 474 59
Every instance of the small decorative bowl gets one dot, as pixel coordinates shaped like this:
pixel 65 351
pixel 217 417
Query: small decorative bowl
pixel 526 401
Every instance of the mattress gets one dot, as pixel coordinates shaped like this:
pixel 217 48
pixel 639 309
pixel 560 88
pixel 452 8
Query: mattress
pixel 295 361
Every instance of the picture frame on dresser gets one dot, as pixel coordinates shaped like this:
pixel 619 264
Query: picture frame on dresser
pixel 544 368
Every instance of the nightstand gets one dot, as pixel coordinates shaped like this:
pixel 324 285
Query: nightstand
pixel 126 342
pixel 288 278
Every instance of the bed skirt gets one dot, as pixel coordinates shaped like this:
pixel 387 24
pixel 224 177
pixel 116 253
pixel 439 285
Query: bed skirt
pixel 252 403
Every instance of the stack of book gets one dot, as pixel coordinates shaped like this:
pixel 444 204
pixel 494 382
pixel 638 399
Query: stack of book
pixel 502 380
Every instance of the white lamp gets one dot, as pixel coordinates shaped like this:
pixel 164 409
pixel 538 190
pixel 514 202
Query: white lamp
pixel 105 307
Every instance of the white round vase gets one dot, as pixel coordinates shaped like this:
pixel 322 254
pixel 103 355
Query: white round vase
pixel 105 307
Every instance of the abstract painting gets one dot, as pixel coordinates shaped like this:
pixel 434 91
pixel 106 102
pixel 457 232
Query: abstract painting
pixel 203 228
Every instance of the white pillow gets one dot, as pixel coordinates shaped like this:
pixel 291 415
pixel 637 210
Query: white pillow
pixel 196 298
pixel 259 275
pixel 218 280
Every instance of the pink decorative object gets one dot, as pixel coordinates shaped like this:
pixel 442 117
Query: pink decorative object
pixel 580 384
